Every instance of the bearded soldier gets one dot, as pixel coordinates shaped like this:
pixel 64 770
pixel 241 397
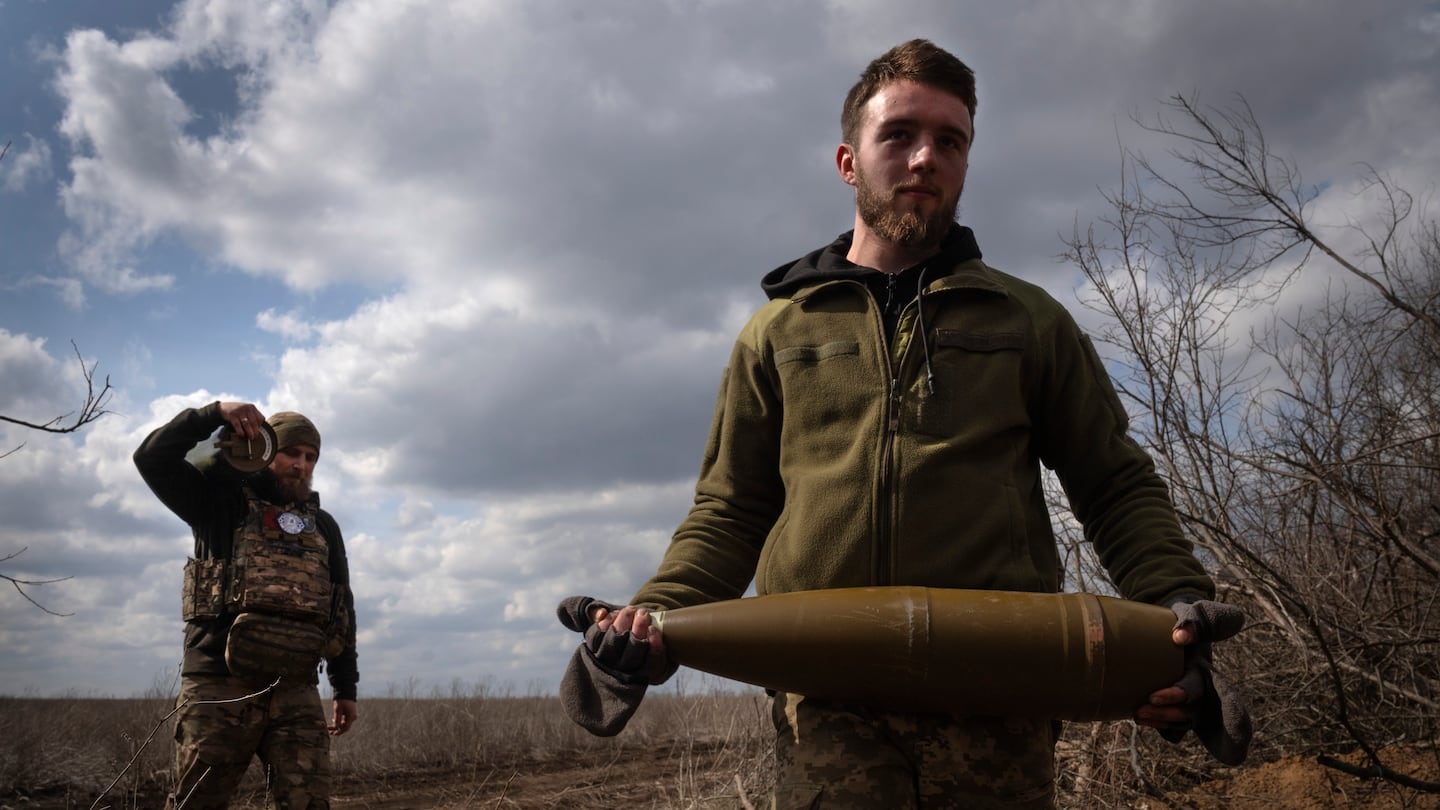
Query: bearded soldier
pixel 266 598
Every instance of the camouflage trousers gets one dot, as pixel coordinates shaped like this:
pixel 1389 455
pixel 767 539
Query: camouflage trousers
pixel 830 756
pixel 221 724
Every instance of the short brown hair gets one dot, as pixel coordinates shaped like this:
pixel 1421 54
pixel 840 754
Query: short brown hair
pixel 918 60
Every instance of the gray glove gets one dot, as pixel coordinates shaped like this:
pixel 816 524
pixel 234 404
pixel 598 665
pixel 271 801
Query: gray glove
pixel 1222 720
pixel 608 673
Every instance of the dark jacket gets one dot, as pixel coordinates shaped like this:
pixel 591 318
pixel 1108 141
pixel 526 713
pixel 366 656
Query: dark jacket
pixel 209 498
pixel 842 455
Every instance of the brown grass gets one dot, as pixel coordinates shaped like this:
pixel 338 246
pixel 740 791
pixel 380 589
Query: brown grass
pixel 476 747
pixel 67 752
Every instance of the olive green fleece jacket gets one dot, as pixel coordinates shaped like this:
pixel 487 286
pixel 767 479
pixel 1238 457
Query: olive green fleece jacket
pixel 835 459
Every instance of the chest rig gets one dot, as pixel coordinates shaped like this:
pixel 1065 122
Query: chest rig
pixel 279 563
pixel 276 584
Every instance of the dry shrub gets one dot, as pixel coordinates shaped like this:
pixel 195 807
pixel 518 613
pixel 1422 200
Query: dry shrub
pixel 701 746
pixel 81 746
pixel 704 744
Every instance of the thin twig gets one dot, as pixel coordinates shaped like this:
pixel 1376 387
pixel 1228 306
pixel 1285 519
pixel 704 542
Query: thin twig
pixel 1377 770
pixel 18 582
pixel 162 722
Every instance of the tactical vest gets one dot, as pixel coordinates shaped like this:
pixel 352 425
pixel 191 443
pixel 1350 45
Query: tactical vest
pixel 277 585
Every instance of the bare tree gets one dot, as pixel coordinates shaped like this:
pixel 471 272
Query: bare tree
pixel 20 584
pixel 1302 444
pixel 90 410
pixel 93 407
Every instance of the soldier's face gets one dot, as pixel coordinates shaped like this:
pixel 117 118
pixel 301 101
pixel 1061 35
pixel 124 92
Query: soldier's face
pixel 292 467
pixel 909 166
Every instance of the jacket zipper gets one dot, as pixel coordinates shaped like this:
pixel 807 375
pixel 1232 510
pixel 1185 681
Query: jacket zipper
pixel 884 520
pixel 884 529
pixel 885 537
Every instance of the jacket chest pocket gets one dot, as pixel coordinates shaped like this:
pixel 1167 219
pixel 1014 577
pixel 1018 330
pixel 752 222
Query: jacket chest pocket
pixel 823 386
pixel 978 392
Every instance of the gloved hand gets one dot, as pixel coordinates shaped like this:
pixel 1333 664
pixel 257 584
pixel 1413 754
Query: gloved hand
pixel 1221 720
pixel 608 673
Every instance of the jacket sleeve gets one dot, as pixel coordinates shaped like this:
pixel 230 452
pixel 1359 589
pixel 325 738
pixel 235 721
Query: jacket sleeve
pixel 161 462
pixel 343 670
pixel 738 496
pixel 1121 501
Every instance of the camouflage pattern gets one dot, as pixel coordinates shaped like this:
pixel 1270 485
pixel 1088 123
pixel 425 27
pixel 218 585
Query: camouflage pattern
pixel 279 582
pixel 221 723
pixel 292 428
pixel 203 596
pixel 280 571
pixel 831 756
pixel 262 646
pixel 272 570
pixel 338 634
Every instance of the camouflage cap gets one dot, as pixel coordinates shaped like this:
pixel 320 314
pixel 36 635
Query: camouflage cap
pixel 292 428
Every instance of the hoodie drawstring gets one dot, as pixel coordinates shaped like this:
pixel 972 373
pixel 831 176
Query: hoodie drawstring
pixel 924 339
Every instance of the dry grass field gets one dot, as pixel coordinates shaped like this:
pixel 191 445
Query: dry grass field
pixel 461 749
pixel 469 748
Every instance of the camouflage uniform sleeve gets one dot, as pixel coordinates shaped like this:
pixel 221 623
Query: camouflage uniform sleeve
pixel 342 670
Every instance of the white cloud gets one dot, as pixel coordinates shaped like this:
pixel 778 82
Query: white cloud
pixel 24 363
pixel 502 250
pixel 23 165
pixel 289 325
pixel 384 142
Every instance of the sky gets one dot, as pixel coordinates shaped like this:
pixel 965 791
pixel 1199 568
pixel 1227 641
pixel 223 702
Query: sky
pixel 499 252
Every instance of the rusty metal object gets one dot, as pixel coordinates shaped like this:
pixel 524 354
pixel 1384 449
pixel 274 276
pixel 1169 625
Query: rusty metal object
pixel 1070 656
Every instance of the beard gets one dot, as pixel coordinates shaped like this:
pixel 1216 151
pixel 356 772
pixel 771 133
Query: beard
pixel 906 228
pixel 291 488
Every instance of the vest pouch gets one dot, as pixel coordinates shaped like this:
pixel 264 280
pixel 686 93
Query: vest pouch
pixel 337 634
pixel 281 576
pixel 203 595
pixel 262 646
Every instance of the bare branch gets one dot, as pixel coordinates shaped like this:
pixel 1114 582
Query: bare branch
pixel 91 410
pixel 1377 770
pixel 1301 446
pixel 20 584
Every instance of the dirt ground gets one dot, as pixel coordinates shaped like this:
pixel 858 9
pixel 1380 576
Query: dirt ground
pixel 1290 784
pixel 602 782
pixel 595 781
pixel 1297 783
pixel 628 783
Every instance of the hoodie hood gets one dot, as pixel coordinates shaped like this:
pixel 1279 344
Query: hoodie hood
pixel 829 263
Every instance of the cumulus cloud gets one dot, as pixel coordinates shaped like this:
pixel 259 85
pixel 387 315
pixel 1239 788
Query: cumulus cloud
pixel 381 142
pixel 499 253
pixel 289 325
pixel 24 164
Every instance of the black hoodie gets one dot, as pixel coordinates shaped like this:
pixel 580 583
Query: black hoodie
pixel 892 291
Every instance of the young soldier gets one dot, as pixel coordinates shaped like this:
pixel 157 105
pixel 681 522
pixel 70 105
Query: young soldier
pixel 883 421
